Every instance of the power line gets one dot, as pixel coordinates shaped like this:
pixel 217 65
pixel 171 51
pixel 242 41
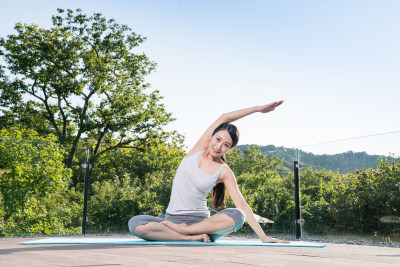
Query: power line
pixel 351 138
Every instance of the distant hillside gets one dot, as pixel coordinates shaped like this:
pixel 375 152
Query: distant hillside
pixel 343 162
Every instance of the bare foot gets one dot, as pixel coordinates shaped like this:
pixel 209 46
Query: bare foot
pixel 179 228
pixel 206 238
pixel 203 237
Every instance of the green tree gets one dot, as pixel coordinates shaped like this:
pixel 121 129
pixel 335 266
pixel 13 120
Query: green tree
pixel 34 186
pixel 252 160
pixel 353 201
pixel 318 192
pixel 376 193
pixel 129 183
pixel 81 79
pixel 162 157
pixel 259 181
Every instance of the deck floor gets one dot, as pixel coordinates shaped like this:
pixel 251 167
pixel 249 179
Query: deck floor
pixel 13 254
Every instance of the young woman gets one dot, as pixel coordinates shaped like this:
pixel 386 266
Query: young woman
pixel 203 169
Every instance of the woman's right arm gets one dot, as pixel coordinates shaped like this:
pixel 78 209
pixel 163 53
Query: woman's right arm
pixel 204 140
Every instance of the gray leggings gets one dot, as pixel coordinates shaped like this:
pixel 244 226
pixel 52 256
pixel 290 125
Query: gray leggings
pixel 236 214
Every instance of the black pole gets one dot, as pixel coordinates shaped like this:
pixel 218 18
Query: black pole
pixel 297 199
pixel 86 196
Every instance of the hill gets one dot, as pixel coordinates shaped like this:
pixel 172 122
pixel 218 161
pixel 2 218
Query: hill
pixel 344 162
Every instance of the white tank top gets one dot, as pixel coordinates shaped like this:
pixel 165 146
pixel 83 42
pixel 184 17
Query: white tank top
pixel 191 187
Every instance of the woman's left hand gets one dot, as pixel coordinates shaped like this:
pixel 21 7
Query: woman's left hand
pixel 273 240
pixel 270 107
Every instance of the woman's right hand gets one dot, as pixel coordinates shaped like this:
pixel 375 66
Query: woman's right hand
pixel 270 107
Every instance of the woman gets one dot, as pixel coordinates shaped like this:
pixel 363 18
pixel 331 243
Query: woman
pixel 203 168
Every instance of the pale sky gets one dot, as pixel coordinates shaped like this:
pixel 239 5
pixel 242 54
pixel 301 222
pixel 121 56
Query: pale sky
pixel 336 63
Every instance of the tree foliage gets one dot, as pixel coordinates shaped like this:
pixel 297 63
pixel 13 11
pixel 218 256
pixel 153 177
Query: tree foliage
pixel 81 79
pixel 79 86
pixel 355 201
pixel 331 201
pixel 130 183
pixel 34 185
pixel 259 181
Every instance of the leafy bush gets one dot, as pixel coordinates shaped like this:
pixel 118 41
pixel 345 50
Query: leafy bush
pixel 131 183
pixel 34 186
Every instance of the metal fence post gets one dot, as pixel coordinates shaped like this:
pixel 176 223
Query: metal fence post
pixel 86 195
pixel 297 199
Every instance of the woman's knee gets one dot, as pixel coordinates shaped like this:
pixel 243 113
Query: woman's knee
pixel 237 215
pixel 140 220
pixel 140 230
pixel 133 223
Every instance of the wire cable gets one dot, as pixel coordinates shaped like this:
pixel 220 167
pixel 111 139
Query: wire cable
pixel 351 138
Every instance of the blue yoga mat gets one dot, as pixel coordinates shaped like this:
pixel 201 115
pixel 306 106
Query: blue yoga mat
pixel 125 241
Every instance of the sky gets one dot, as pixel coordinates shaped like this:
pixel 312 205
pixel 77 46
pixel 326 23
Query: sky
pixel 335 63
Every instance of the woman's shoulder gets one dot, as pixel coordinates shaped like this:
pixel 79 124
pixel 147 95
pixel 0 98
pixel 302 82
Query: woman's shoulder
pixel 226 172
pixel 194 151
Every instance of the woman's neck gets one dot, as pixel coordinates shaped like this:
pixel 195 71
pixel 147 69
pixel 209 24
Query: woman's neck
pixel 208 156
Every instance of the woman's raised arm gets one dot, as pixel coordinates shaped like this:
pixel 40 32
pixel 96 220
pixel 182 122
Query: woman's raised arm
pixel 204 140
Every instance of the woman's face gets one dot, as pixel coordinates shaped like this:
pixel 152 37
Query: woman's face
pixel 220 144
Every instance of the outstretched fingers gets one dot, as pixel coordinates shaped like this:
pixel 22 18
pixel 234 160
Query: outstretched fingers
pixel 270 107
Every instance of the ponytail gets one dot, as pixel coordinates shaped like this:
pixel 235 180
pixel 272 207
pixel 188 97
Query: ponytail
pixel 218 194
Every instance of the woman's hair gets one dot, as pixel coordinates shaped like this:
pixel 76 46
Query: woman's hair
pixel 218 194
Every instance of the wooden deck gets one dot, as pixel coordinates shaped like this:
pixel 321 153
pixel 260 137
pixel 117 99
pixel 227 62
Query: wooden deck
pixel 13 254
